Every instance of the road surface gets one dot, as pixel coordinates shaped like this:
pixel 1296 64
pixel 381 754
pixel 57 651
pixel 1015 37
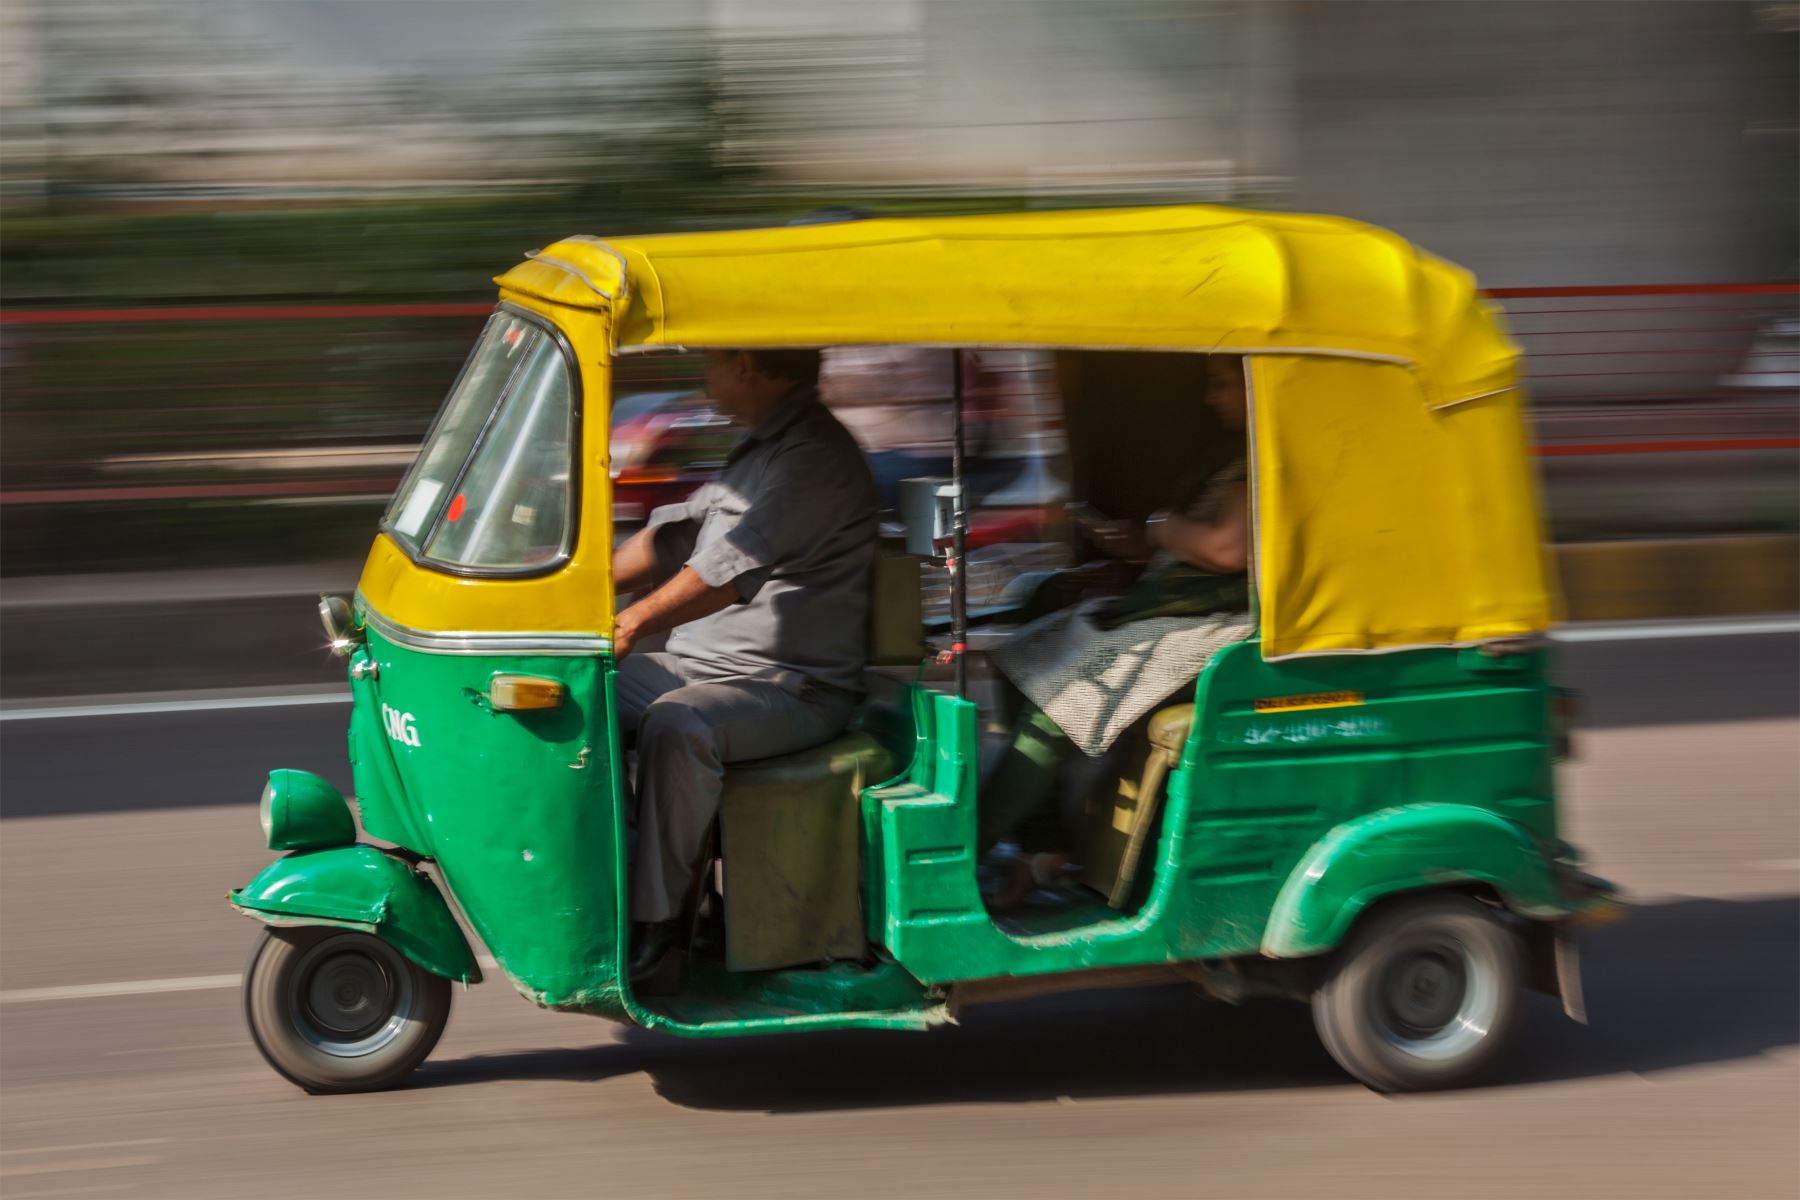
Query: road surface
pixel 125 1070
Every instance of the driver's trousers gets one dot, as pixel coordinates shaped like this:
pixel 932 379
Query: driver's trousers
pixel 687 725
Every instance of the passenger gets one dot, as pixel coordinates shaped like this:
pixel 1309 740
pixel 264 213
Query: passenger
pixel 763 576
pixel 1198 550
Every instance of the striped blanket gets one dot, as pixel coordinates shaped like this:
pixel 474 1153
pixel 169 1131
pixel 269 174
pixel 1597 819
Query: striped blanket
pixel 1094 682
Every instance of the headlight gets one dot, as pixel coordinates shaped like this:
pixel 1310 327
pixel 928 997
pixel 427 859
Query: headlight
pixel 300 811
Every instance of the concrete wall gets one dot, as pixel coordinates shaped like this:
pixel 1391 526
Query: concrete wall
pixel 1578 142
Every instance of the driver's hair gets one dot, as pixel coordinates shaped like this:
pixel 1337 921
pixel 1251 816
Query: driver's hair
pixel 795 366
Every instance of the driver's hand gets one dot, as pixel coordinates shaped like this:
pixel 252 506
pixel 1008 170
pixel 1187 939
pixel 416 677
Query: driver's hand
pixel 625 636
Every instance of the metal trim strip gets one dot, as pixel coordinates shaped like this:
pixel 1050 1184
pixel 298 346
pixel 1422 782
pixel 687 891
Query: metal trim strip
pixel 588 239
pixel 1399 360
pixel 569 268
pixel 486 641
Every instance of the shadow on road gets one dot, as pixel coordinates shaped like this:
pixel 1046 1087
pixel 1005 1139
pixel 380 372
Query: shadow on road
pixel 1678 984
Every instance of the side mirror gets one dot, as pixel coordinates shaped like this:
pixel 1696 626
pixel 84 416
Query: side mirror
pixel 339 621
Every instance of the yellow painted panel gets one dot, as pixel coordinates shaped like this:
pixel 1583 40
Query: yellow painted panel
pixel 1383 523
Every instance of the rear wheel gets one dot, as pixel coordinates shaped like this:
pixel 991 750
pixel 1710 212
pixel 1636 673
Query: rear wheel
pixel 336 1010
pixel 1423 995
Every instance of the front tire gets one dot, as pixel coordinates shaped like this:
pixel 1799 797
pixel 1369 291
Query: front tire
pixel 336 1010
pixel 1424 994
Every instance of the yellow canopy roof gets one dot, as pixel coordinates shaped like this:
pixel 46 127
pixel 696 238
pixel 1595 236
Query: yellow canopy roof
pixel 1393 496
pixel 1199 278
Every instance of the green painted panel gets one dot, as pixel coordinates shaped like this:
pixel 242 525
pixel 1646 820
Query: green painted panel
pixel 1337 738
pixel 520 811
pixel 1405 849
pixel 934 922
pixel 1422 727
pixel 364 888
pixel 381 800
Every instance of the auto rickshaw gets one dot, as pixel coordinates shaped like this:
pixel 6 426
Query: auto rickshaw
pixel 1358 809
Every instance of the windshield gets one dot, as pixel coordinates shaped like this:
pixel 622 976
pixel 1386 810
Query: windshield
pixel 491 489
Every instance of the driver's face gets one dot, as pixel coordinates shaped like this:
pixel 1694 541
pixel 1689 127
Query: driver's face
pixel 727 380
pixel 1225 391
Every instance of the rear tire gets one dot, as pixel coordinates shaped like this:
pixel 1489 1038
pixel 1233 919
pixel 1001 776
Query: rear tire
pixel 335 1010
pixel 1424 994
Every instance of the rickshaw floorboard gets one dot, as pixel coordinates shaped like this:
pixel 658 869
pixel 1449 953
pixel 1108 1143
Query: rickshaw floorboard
pixel 712 993
pixel 1058 912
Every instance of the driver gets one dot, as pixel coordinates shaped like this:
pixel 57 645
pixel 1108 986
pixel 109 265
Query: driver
pixel 763 577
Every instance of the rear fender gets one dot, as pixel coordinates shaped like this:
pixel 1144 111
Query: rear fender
pixel 362 887
pixel 1411 848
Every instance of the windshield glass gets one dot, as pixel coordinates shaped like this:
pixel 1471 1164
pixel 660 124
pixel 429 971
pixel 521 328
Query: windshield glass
pixel 491 489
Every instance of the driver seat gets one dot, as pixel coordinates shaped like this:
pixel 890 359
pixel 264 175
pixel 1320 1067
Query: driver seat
pixel 791 826
pixel 791 835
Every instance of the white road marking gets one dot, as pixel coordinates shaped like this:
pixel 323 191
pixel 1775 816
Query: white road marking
pixel 129 987
pixel 83 1146
pixel 1776 864
pixel 92 1164
pixel 77 1191
pixel 174 1049
pixel 213 704
pixel 148 987
pixel 1645 631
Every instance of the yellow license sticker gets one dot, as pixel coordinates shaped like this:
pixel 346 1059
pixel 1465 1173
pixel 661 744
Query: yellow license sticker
pixel 1269 704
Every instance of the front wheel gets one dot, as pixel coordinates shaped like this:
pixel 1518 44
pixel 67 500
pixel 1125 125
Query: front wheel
pixel 335 1010
pixel 1423 995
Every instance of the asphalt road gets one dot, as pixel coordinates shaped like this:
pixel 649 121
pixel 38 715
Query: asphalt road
pixel 125 831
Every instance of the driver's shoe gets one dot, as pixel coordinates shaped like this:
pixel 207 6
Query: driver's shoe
pixel 651 942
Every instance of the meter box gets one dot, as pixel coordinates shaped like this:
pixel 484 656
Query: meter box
pixel 928 510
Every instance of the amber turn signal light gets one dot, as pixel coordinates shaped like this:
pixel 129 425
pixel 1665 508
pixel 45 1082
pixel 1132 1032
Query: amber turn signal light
pixel 524 693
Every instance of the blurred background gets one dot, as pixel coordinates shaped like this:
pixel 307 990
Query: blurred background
pixel 246 244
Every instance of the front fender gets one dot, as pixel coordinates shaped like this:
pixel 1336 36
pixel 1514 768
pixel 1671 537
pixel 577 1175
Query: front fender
pixel 1410 848
pixel 361 887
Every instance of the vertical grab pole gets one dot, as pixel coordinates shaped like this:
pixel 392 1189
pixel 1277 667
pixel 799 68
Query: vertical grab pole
pixel 959 534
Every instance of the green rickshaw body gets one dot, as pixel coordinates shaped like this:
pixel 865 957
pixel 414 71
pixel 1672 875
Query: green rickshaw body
pixel 1326 771
pixel 1279 828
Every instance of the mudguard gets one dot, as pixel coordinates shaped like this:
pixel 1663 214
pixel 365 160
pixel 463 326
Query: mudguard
pixel 362 887
pixel 1410 848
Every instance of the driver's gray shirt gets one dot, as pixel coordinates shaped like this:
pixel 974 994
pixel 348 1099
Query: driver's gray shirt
pixel 791 524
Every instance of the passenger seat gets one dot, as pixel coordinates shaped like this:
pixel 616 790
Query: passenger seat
pixel 1119 827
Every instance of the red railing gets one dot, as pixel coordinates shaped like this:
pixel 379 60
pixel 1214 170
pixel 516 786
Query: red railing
pixel 1638 369
pixel 1659 368
pixel 233 312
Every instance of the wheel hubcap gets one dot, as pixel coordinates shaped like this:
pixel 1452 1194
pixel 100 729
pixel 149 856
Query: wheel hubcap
pixel 1434 1000
pixel 1425 992
pixel 350 995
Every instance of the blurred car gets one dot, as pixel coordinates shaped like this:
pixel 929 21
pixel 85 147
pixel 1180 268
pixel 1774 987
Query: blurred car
pixel 1772 363
pixel 664 445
